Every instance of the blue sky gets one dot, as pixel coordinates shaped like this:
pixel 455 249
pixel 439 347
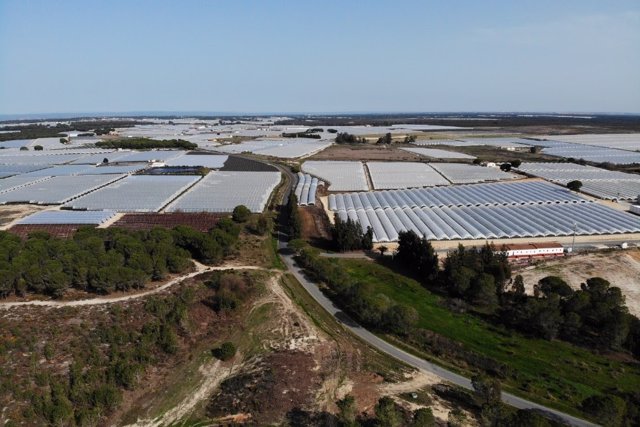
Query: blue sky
pixel 319 56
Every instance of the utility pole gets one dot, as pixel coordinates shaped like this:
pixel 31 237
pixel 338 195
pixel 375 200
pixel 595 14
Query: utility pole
pixel 573 242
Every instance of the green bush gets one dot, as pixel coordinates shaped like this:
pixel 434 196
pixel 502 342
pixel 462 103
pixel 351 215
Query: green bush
pixel 225 352
pixel 146 144
pixel 241 213
pixel 106 260
pixel 574 185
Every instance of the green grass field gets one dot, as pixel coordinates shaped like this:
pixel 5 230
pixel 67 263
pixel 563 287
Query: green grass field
pixel 552 372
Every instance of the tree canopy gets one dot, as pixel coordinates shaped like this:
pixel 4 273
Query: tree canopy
pixel 106 260
pixel 349 236
pixel 146 143
pixel 574 185
pixel 347 138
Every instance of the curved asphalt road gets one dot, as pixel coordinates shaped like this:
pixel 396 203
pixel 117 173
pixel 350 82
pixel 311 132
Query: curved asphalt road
pixel 410 359
pixel 393 351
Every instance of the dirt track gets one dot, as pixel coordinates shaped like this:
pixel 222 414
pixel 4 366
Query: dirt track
pixel 200 268
pixel 213 373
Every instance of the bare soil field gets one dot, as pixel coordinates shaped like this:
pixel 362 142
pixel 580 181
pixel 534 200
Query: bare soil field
pixel 365 152
pixel 315 225
pixel 201 221
pixel 62 231
pixel 620 268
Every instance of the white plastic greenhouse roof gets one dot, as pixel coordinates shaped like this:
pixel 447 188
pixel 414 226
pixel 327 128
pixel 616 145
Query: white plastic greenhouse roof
pixel 597 182
pixel 462 173
pixel 37 159
pixel 306 189
pixel 436 153
pixel 98 158
pixel 588 152
pixel 68 217
pixel 101 170
pixel 283 147
pixel 391 175
pixel 57 189
pixel 61 170
pixel 342 175
pixel 7 184
pixel 222 191
pixel 489 222
pixel 151 155
pixel 11 170
pixel 512 193
pixel 212 161
pixel 622 141
pixel 502 142
pixel 136 193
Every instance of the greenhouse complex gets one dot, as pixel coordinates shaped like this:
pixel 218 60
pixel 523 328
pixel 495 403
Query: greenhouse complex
pixel 388 178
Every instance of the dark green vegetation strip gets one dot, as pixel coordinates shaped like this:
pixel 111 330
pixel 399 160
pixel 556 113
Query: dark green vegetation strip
pixel 43 130
pixel 146 143
pixel 107 260
pixel 551 372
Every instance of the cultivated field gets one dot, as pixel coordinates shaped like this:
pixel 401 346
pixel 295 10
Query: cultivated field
pixel 202 221
pixel 621 269
pixel 62 231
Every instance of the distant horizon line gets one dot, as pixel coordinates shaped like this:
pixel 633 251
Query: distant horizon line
pixel 196 113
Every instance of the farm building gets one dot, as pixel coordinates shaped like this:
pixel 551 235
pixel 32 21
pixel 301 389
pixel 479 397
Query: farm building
pixel 531 250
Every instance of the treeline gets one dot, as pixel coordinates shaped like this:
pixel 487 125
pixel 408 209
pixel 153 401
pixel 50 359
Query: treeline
pixel 106 260
pixel 146 144
pixel 484 400
pixel 33 131
pixel 357 298
pixel 292 218
pixel 104 130
pixel 309 133
pixel 594 316
pixel 617 123
pixel 386 413
pixel 385 139
pixel 388 139
pixel 305 134
pixel 347 138
pixel 349 236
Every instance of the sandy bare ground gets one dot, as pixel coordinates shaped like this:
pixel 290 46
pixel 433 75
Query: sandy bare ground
pixel 621 269
pixel 289 330
pixel 213 373
pixel 200 268
pixel 418 380
pixel 293 330
pixel 10 214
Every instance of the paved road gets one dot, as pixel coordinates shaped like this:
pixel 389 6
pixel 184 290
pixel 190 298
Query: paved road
pixel 387 348
pixel 405 357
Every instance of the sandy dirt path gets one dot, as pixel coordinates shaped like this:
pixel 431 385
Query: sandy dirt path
pixel 213 373
pixel 200 268
pixel 419 380
pixel 291 330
